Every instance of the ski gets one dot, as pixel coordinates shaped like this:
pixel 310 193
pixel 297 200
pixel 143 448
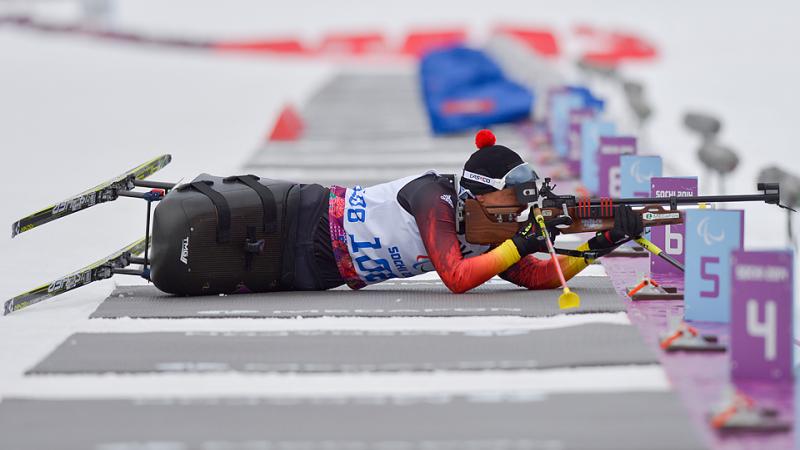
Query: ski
pixel 101 193
pixel 99 270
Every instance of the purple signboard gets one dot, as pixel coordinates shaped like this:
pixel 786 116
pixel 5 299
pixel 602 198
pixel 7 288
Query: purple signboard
pixel 761 314
pixel 670 238
pixel 608 163
pixel 576 116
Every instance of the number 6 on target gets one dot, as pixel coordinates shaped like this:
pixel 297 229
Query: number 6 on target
pixel 671 237
pixel 608 162
pixel 761 314
pixel 674 242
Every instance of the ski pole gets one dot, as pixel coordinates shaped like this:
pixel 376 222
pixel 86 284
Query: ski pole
pixel 567 299
pixel 654 249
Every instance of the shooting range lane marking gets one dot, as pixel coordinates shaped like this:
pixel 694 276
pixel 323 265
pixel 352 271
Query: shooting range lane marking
pixel 531 420
pixel 348 351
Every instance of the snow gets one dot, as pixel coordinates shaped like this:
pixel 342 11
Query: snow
pixel 76 111
pixel 551 381
pixel 509 323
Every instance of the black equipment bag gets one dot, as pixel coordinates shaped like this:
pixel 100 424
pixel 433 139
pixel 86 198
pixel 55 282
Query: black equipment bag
pixel 225 235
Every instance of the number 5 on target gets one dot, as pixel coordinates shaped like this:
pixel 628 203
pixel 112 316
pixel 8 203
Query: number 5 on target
pixel 761 314
pixel 710 237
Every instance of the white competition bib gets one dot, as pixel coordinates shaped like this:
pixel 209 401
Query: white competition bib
pixel 383 238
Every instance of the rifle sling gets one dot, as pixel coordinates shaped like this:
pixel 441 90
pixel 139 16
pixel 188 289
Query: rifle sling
pixel 589 254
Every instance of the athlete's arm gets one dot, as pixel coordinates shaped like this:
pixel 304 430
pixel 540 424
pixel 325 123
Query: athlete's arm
pixel 438 230
pixel 534 273
pixel 435 218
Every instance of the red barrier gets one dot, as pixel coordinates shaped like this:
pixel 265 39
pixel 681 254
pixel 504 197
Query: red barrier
pixel 279 46
pixel 612 47
pixel 540 40
pixel 288 127
pixel 354 44
pixel 419 42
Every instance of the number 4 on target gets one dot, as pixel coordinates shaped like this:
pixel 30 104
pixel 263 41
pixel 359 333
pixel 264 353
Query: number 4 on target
pixel 761 315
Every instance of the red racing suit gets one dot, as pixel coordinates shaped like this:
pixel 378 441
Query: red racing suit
pixel 427 204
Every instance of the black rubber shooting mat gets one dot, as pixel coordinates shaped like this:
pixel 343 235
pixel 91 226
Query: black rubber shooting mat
pixel 348 351
pixel 620 421
pixel 392 298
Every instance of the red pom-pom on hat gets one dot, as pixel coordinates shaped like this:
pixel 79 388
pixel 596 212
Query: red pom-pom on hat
pixel 485 138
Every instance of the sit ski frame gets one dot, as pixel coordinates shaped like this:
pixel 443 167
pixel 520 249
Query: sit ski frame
pixel 116 263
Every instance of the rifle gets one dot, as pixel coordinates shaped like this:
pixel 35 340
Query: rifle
pixel 492 218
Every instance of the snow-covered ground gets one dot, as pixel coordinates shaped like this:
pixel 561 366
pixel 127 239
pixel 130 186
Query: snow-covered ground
pixel 75 111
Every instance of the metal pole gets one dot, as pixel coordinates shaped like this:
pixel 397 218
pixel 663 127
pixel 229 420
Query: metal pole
pixel 120 271
pixel 654 249
pixel 146 238
pixel 773 198
pixel 132 194
pixel 154 184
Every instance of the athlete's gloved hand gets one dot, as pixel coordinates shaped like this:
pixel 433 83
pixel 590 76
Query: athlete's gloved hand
pixel 529 239
pixel 627 224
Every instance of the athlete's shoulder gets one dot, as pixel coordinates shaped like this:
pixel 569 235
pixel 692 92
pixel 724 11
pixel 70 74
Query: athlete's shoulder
pixel 425 190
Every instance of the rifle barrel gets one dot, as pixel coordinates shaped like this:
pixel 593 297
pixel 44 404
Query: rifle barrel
pixel 767 198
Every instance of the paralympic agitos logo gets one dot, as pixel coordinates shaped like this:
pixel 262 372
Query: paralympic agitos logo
pixel 708 237
pixel 423 264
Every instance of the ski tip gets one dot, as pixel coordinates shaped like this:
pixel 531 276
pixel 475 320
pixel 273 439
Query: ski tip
pixel 165 159
pixel 14 229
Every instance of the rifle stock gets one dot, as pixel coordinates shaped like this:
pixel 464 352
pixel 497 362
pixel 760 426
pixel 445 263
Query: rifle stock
pixel 494 224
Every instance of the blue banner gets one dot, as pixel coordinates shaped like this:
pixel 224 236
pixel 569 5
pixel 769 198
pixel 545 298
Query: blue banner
pixel 464 89
pixel 588 100
pixel 711 235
